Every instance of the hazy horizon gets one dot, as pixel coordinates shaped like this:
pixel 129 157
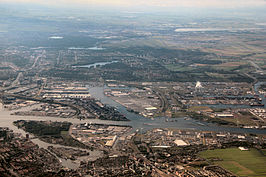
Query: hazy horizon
pixel 191 8
pixel 149 5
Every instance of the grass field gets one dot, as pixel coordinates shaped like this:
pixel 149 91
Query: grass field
pixel 263 151
pixel 242 163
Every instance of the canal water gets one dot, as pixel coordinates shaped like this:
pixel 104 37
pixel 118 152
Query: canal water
pixel 138 122
pixel 94 65
pixel 6 120
pixel 256 88
pixel 142 123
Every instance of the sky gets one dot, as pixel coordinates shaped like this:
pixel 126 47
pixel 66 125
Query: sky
pixel 150 3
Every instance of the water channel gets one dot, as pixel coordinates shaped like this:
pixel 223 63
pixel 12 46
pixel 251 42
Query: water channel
pixel 141 123
pixel 7 120
pixel 136 121
pixel 256 88
pixel 94 65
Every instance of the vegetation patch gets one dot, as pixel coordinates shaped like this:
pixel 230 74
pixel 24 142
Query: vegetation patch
pixel 50 132
pixel 242 163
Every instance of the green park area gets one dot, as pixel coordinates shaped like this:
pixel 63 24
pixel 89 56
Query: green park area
pixel 242 163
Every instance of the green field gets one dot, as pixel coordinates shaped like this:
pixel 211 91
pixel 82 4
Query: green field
pixel 263 151
pixel 242 163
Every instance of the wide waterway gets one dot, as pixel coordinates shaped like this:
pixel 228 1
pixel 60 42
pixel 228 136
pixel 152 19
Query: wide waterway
pixel 94 65
pixel 141 123
pixel 256 88
pixel 7 120
pixel 136 121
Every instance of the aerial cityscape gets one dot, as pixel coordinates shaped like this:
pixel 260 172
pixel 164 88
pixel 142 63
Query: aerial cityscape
pixel 131 88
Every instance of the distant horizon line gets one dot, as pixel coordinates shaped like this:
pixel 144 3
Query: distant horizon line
pixel 148 4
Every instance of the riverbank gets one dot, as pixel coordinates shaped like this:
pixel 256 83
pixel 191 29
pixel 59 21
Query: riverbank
pixel 139 122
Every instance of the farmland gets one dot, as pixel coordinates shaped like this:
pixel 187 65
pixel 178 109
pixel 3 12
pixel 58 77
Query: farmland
pixel 242 163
